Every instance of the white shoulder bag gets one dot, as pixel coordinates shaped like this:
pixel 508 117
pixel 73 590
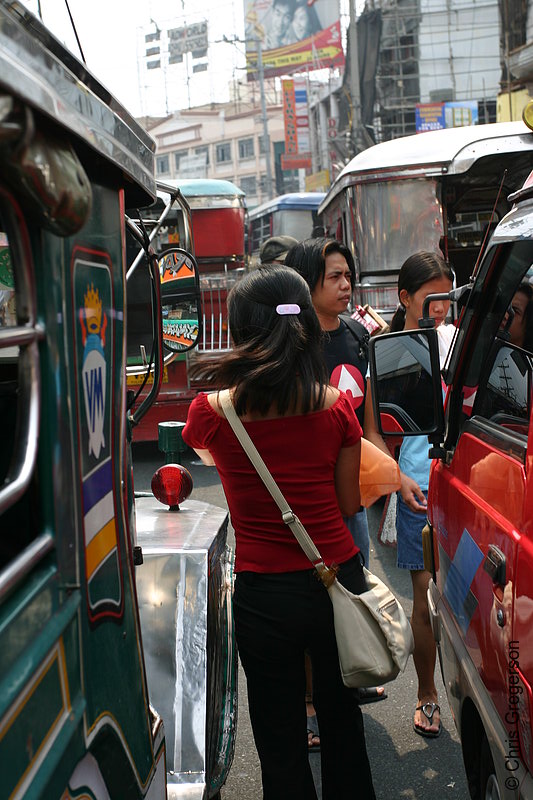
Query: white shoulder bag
pixel 374 637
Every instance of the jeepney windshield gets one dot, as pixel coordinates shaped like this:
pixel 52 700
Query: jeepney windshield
pixel 293 222
pixel 214 201
pixel 395 219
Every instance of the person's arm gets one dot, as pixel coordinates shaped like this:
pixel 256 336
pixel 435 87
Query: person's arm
pixel 370 429
pixel 411 493
pixel 195 427
pixel 206 457
pixel 347 479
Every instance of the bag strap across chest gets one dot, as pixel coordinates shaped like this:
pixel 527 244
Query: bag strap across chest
pixel 326 574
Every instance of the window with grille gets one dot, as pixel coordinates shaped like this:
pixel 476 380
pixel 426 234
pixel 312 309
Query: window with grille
pixel 246 148
pixel 223 153
pixel 249 185
pixel 163 165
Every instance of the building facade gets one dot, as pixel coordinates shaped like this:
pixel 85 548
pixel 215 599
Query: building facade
pixel 224 141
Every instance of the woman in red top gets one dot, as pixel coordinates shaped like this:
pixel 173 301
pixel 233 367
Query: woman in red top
pixel 309 438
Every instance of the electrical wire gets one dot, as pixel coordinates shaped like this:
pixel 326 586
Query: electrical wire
pixel 75 31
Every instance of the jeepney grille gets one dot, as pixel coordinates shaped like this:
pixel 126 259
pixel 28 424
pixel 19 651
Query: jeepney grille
pixel 382 297
pixel 215 327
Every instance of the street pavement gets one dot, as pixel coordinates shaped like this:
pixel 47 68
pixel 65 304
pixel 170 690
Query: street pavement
pixel 405 766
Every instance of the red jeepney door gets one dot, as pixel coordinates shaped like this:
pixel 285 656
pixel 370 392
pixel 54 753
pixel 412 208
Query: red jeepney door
pixel 479 515
pixel 521 650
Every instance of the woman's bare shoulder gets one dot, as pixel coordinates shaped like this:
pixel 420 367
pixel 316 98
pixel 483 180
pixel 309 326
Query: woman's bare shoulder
pixel 332 395
pixel 213 400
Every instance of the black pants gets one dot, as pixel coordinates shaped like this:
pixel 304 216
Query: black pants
pixel 277 618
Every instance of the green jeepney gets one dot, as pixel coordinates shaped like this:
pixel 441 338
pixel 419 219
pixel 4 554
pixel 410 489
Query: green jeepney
pixel 76 693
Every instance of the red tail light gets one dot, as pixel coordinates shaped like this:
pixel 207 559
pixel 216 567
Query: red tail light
pixel 172 484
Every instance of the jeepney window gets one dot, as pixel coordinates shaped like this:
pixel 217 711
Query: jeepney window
pixel 512 262
pixel 505 397
pixel 294 222
pixel 468 228
pixel 260 231
pixel 395 219
pixel 497 386
pixel 19 523
pixel 8 316
pixel 139 311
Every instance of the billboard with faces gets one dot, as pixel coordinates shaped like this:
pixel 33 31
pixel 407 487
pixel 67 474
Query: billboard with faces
pixel 293 35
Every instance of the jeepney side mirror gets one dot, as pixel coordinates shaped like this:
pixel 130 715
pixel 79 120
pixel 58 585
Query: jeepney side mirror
pixel 457 297
pixel 180 300
pixel 406 384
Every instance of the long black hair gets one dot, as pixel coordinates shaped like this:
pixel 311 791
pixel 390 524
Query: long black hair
pixel 418 269
pixel 308 258
pixel 277 358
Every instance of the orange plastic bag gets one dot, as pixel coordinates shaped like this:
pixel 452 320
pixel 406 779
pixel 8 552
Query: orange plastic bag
pixel 379 474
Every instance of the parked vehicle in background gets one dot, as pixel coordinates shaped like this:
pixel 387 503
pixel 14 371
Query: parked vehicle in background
pixel 207 217
pixel 76 680
pixel 290 214
pixel 478 544
pixel 432 191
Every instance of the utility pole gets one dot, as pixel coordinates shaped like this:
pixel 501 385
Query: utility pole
pixel 264 117
pixel 266 136
pixel 354 79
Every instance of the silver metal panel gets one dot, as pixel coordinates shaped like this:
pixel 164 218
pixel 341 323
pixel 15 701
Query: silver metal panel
pixel 430 153
pixel 193 527
pixel 517 224
pixel 38 69
pixel 184 554
pixel 185 791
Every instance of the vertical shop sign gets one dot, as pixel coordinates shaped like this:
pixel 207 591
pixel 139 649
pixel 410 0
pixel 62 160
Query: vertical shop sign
pixel 296 115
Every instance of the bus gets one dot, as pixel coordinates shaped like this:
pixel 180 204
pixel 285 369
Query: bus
pixel 207 217
pixel 292 214
pixel 441 191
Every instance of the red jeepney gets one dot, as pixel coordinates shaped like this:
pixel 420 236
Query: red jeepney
pixel 478 544
pixel 206 218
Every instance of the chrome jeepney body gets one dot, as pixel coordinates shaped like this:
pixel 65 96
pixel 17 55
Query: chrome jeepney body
pixel 76 712
pixel 439 191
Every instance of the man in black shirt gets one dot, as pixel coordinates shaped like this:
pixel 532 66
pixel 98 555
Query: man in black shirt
pixel 328 268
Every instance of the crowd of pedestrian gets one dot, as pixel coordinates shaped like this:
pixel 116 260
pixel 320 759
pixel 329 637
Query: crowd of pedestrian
pixel 298 379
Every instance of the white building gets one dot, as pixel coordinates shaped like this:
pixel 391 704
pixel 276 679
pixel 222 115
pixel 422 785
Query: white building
pixel 224 141
pixel 459 49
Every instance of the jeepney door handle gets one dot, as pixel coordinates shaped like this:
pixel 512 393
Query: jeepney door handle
pixel 494 564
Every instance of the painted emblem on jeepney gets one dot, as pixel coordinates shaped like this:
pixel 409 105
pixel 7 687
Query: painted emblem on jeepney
pixel 93 323
pixel 95 330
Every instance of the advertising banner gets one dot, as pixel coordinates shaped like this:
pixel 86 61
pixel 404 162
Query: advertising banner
pixel 293 35
pixel 429 117
pixel 187 39
pixel 453 114
pixel 296 116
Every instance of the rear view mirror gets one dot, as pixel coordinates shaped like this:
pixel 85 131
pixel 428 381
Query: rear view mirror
pixel 406 383
pixel 180 300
